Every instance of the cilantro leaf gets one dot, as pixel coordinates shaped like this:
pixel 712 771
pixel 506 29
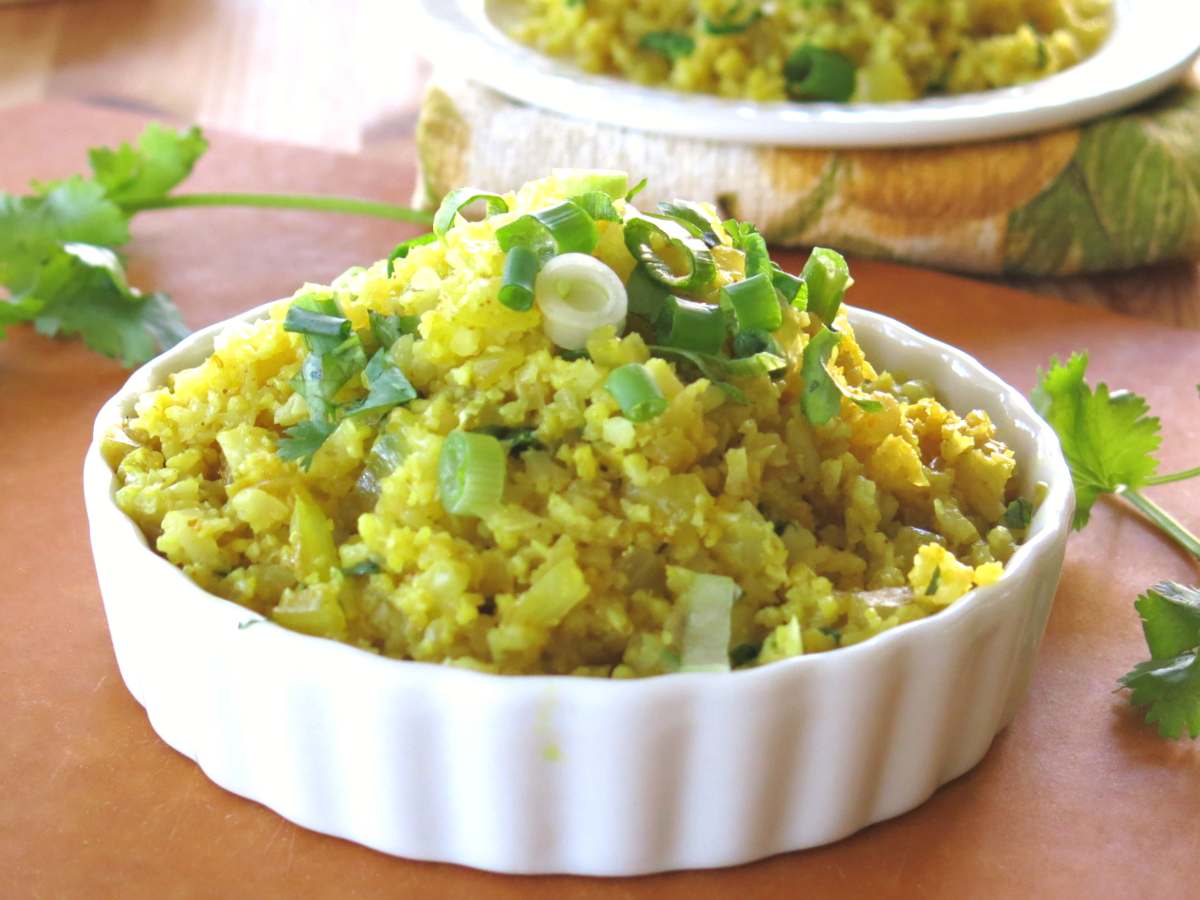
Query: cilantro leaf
pixel 1170 619
pixel 822 397
pixel 1109 439
pixel 1169 682
pixel 387 386
pixel 388 329
pixel 1018 514
pixel 32 228
pixel 1171 690
pixel 81 290
pixel 304 440
pixel 162 159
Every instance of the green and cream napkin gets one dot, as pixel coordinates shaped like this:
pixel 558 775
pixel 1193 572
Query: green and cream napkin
pixel 1117 193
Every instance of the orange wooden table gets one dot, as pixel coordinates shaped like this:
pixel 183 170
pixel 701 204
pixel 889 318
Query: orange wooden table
pixel 1076 798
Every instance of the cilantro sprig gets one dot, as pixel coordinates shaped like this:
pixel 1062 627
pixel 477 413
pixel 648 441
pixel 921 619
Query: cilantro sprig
pixel 60 261
pixel 1110 440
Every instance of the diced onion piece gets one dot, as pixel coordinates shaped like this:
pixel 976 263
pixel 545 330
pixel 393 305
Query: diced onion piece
pixel 612 182
pixel 691 326
pixel 707 603
pixel 578 294
pixel 638 394
pixel 471 473
pixel 754 303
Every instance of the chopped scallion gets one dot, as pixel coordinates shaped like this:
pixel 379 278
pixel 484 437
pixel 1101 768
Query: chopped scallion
pixel 754 303
pixel 691 216
pixel 813 73
pixel 636 392
pixel 454 201
pixel 578 294
pixel 598 205
pixel 691 326
pixel 647 242
pixel 401 250
pixel 613 183
pixel 471 473
pixel 791 288
pixel 316 324
pixel 563 228
pixel 935 582
pixel 520 273
pixel 828 278
pixel 1018 515
pixel 636 189
pixel 647 298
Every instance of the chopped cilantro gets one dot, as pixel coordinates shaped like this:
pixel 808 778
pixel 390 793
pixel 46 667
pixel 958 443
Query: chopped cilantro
pixel 674 45
pixel 1018 515
pixel 386 384
pixel 822 397
pixel 388 329
pixel 304 440
pixel 935 582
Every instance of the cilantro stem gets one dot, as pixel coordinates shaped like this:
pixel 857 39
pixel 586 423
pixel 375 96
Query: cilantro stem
pixel 1174 476
pixel 1162 519
pixel 315 203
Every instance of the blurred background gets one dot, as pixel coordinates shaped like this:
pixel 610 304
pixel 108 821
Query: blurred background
pixel 343 76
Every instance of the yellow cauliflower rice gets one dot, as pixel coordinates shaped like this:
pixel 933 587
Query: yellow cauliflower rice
pixel 703 510
pixel 840 50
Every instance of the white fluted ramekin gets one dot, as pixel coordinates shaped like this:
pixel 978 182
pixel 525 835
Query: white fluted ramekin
pixel 560 774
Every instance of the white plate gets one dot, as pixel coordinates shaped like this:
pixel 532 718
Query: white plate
pixel 1153 44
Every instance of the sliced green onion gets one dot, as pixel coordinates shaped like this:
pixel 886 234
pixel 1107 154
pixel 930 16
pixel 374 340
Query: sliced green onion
pixel 822 397
pixel 386 386
pixel 401 250
pixel 520 273
pixel 812 73
pixel 573 229
pixel 647 298
pixel 389 329
pixel 454 201
pixel 326 307
pixel 674 45
pixel 636 189
pixel 691 326
pixel 754 303
pixel 564 228
pixel 636 392
pixel 315 324
pixel 471 473
pixel 828 278
pixel 578 294
pixel 640 238
pixel 598 205
pixel 613 183
pixel 707 608
pixel 758 260
pixel 790 287
pixel 691 216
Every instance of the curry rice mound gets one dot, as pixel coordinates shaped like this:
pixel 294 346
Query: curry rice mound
pixel 887 513
pixel 892 49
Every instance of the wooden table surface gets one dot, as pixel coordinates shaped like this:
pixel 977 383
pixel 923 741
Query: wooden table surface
pixel 331 74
